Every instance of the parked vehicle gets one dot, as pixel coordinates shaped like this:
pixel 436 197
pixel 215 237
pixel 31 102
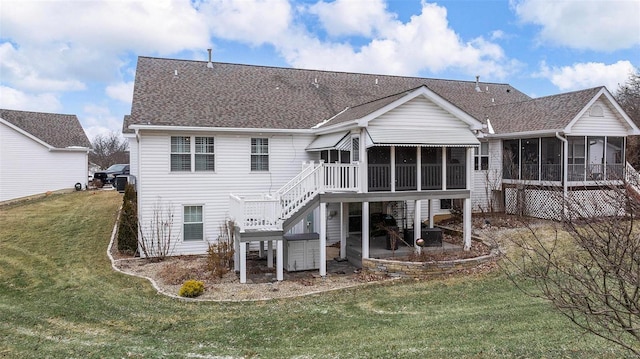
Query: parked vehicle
pixel 109 175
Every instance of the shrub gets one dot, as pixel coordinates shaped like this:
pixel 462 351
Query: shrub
pixel 191 288
pixel 128 228
pixel 220 255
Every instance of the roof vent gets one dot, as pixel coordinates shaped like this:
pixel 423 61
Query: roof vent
pixel 478 84
pixel 315 83
pixel 209 64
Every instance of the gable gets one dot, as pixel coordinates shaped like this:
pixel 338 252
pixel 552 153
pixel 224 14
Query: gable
pixel 420 121
pixel 600 118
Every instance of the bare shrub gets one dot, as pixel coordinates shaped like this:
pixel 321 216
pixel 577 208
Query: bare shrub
pixel 220 254
pixel 157 237
pixel 587 266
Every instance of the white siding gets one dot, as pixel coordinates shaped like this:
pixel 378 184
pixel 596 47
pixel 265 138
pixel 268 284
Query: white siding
pixel 211 189
pixel 610 124
pixel 28 168
pixel 485 182
pixel 419 113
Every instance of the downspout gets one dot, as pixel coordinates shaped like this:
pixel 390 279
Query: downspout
pixel 565 168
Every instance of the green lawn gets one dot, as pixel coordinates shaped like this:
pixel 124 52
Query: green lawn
pixel 59 298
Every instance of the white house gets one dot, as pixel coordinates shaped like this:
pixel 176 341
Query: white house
pixel 40 152
pixel 284 152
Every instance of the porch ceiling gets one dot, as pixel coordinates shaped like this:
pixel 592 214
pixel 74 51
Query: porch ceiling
pixel 423 137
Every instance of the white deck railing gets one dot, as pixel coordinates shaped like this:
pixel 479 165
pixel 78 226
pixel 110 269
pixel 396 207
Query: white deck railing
pixel 260 213
pixel 269 212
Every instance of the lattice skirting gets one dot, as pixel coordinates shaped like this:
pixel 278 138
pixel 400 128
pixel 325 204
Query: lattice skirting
pixel 547 204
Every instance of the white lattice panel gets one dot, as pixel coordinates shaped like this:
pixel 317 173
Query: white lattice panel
pixel 547 204
pixel 595 203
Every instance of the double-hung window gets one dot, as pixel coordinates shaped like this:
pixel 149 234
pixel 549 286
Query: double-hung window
pixel 193 223
pixel 259 154
pixel 180 154
pixel 192 153
pixel 205 154
pixel 481 157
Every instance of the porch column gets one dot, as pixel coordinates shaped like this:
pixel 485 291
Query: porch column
pixel 444 168
pixel 431 212
pixel 466 220
pixel 466 215
pixel 344 228
pixel 362 153
pixel 323 239
pixel 236 252
pixel 417 224
pixel 418 168
pixel 469 167
pixel 392 154
pixel 279 260
pixel 365 229
pixel 261 250
pixel 243 262
pixel 269 254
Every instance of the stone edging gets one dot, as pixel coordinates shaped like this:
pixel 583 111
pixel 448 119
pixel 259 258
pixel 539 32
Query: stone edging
pixel 407 269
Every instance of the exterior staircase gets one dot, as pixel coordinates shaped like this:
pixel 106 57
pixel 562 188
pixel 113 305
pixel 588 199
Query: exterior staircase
pixel 293 201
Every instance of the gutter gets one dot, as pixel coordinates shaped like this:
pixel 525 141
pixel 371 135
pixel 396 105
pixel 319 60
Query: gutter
pixel 565 165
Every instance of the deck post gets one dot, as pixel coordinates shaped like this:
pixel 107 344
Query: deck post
pixel 243 262
pixel 431 212
pixel 280 260
pixel 417 224
pixel 344 228
pixel 466 219
pixel 261 250
pixel 236 250
pixel 365 230
pixel 323 239
pixel 269 254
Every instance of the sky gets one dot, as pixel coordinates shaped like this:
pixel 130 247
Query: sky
pixel 79 57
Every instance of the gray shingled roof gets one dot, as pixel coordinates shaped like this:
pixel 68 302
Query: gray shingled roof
pixel 57 130
pixel 544 113
pixel 246 96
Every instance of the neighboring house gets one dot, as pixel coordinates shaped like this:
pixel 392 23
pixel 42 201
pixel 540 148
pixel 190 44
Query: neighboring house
pixel 40 152
pixel 285 151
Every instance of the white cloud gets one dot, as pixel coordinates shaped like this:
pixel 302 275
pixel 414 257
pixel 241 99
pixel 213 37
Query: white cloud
pixel 13 99
pixel 84 40
pixel 584 24
pixel 122 91
pixel 251 21
pixel 586 75
pixel 98 120
pixel 353 17
pixel 425 42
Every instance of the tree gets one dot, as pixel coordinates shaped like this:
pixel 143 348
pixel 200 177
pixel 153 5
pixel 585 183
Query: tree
pixel 108 150
pixel 628 96
pixel 588 268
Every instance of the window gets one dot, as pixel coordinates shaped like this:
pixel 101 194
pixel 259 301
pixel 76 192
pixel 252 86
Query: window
pixel 259 154
pixel 183 154
pixel 193 225
pixel 180 153
pixel 355 149
pixel 481 157
pixel 205 157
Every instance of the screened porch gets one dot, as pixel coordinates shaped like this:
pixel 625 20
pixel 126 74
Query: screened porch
pixel 589 158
